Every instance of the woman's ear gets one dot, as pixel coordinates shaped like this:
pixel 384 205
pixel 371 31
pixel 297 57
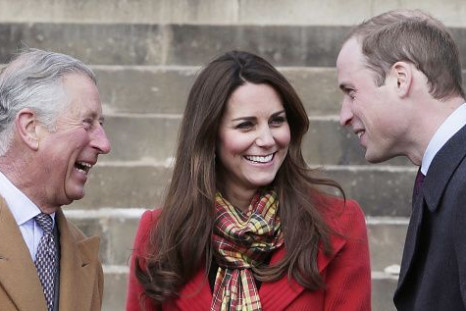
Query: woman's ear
pixel 403 75
pixel 27 128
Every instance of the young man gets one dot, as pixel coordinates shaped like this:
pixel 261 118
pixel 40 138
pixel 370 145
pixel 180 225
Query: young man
pixel 401 78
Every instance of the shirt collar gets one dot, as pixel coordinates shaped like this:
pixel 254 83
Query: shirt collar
pixel 449 127
pixel 22 208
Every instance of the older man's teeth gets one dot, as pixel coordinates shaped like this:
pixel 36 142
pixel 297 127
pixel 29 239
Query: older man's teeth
pixel 360 134
pixel 260 159
pixel 83 167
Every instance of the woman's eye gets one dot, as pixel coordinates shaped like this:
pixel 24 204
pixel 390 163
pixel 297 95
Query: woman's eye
pixel 278 120
pixel 244 125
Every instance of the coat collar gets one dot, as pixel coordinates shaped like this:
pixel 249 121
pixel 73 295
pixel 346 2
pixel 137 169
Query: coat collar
pixel 196 294
pixel 18 275
pixel 79 255
pixel 442 168
pixel 435 183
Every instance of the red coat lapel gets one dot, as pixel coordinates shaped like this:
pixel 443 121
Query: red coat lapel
pixel 280 294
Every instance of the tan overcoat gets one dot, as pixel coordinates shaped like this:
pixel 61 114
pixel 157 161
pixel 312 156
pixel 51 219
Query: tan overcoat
pixel 81 275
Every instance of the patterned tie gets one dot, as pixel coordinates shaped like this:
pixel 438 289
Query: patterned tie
pixel 418 184
pixel 47 258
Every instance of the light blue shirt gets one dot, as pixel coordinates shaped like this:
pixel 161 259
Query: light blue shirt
pixel 24 211
pixel 449 127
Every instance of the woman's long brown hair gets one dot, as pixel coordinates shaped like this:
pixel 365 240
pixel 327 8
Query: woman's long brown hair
pixel 180 242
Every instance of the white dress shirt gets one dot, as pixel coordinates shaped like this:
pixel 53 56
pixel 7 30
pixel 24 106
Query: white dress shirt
pixel 449 127
pixel 24 211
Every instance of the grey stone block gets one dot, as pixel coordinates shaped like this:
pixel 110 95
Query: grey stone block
pixel 154 138
pixel 192 45
pixel 311 46
pixel 145 89
pixel 119 185
pixel 383 289
pixel 147 44
pixel 164 90
pixel 317 87
pixel 136 138
pixel 114 11
pixel 327 143
pixel 380 191
pixel 296 12
pixel 386 241
pixel 115 44
pixel 116 284
pixel 117 229
pixel 115 287
pixel 116 232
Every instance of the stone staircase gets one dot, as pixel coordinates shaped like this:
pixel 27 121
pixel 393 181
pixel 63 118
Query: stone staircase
pixel 146 54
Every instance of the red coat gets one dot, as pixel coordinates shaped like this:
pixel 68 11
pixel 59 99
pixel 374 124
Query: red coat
pixel 346 273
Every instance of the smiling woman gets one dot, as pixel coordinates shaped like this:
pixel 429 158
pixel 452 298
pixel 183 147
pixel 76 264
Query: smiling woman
pixel 243 209
pixel 253 140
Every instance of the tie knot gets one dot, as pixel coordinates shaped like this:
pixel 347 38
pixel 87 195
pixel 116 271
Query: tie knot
pixel 45 222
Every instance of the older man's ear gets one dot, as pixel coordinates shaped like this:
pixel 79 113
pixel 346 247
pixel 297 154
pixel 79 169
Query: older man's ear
pixel 27 128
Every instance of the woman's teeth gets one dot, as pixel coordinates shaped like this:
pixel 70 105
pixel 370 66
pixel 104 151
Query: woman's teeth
pixel 260 159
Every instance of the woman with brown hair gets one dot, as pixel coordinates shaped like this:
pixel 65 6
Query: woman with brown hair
pixel 244 225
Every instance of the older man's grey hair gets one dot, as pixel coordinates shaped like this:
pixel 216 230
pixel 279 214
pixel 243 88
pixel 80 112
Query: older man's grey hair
pixel 34 80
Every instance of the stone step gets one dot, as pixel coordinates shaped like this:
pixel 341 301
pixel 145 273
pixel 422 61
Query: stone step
pixel 117 229
pixel 174 44
pixel 386 241
pixel 153 137
pixel 381 191
pixel 186 45
pixel 115 287
pixel 165 89
pixel 383 287
pixel 300 12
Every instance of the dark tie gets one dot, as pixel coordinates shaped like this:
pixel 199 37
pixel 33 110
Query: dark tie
pixel 418 184
pixel 47 258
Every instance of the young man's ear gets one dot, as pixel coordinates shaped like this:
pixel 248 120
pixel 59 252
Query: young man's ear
pixel 403 75
pixel 27 128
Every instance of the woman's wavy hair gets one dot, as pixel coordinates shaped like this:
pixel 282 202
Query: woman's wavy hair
pixel 180 243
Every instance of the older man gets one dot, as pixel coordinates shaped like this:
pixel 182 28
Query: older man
pixel 50 137
pixel 401 77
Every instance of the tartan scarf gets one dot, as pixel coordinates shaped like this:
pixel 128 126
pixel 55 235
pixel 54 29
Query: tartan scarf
pixel 241 241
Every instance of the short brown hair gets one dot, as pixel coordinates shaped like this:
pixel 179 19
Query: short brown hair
pixel 416 37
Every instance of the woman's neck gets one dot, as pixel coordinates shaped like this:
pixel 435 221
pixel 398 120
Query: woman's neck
pixel 239 198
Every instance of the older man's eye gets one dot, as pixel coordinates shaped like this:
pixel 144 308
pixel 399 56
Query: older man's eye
pixel 88 123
